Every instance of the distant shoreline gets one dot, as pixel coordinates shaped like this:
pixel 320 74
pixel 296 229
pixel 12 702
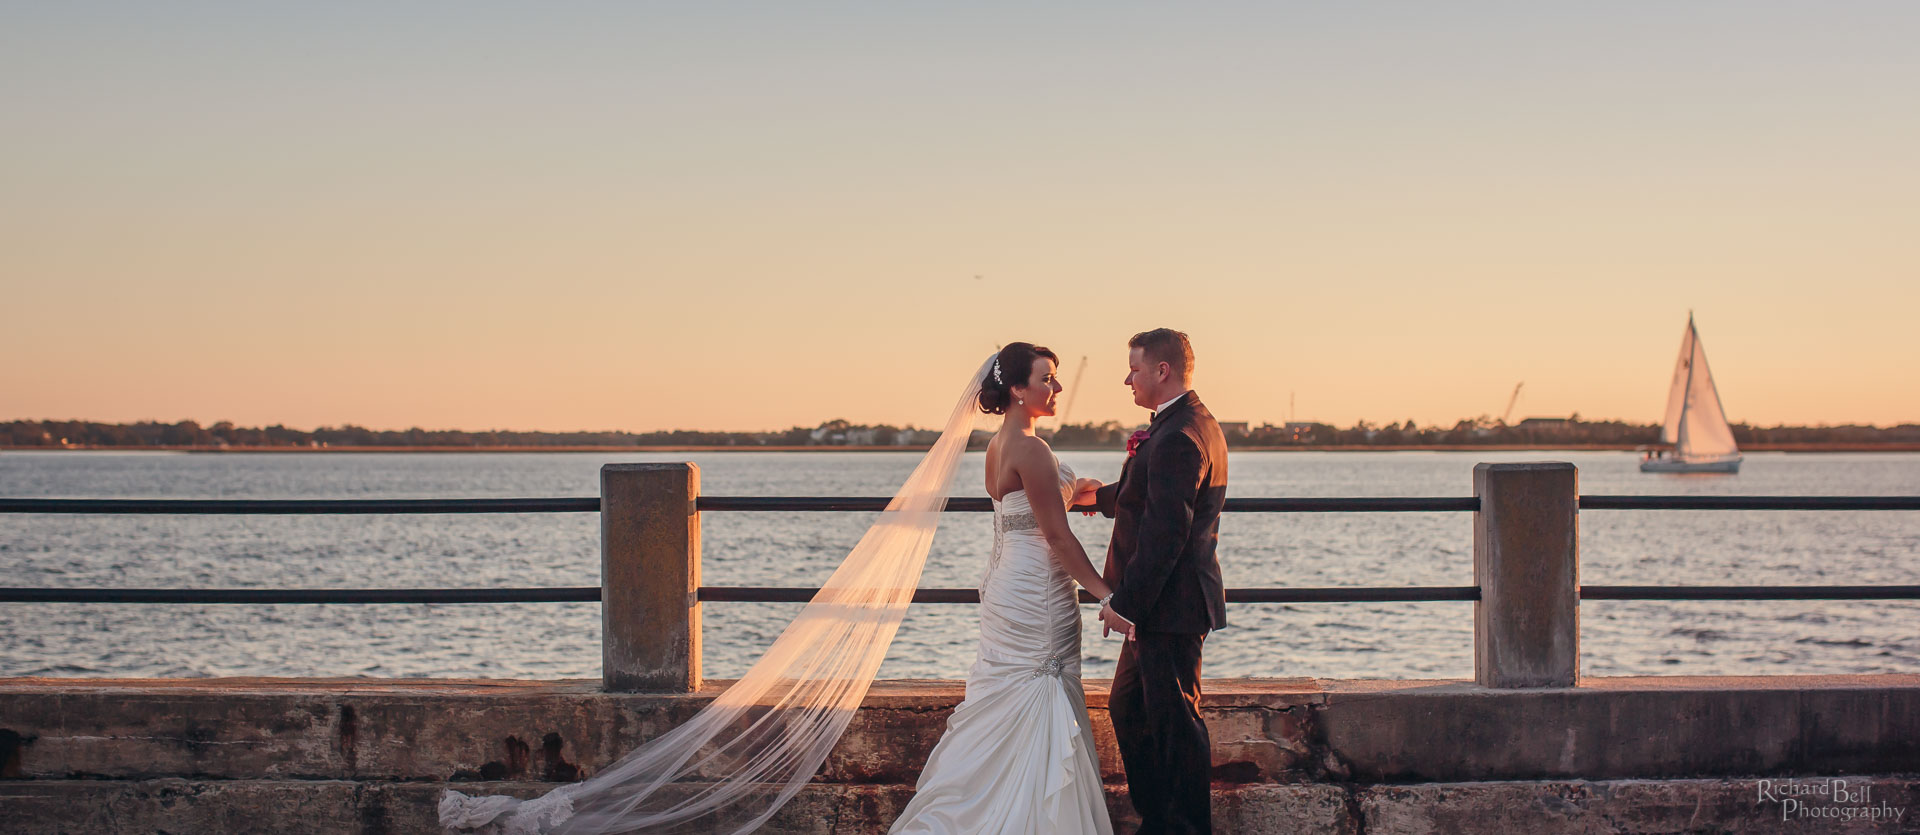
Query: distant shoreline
pixel 1791 447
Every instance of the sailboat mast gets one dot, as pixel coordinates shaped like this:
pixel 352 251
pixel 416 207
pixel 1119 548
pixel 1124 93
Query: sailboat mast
pixel 1686 397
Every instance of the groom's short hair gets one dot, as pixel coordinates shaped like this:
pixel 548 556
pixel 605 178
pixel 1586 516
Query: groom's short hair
pixel 1166 345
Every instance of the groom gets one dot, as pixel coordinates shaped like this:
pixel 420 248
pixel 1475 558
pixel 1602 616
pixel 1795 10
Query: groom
pixel 1167 592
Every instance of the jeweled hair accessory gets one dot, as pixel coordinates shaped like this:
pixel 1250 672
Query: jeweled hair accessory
pixel 996 370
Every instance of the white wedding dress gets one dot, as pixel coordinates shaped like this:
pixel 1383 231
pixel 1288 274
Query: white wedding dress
pixel 1018 755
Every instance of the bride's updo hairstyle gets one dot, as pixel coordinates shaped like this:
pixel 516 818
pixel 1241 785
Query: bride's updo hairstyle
pixel 1013 367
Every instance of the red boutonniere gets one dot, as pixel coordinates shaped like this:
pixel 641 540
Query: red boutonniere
pixel 1134 440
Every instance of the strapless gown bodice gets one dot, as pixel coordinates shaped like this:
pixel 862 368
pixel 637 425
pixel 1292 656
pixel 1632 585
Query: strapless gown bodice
pixel 1019 508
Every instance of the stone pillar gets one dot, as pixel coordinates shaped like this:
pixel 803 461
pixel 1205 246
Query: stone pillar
pixel 650 577
pixel 1526 547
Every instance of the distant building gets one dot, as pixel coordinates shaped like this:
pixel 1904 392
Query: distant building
pixel 830 436
pixel 1235 428
pixel 1550 424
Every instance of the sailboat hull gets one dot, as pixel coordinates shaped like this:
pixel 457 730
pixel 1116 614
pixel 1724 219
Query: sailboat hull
pixel 1674 465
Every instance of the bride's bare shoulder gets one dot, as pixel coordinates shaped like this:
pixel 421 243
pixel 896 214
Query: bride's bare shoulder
pixel 1028 448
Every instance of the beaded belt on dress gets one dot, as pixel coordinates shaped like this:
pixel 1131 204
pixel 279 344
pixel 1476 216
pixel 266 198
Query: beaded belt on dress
pixel 1019 522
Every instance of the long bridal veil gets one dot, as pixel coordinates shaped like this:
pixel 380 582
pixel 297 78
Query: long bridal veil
pixel 733 764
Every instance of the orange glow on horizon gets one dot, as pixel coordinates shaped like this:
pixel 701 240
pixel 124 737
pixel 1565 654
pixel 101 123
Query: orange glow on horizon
pixel 672 218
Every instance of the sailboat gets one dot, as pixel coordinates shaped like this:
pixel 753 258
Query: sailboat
pixel 1697 429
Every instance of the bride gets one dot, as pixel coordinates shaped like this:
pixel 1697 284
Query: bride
pixel 1018 754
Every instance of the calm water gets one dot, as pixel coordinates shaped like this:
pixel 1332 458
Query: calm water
pixel 551 640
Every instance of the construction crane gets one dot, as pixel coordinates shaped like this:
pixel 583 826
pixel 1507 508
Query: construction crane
pixel 1073 390
pixel 1508 415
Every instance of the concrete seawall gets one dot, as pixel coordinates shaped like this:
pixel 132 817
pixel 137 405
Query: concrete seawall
pixel 1527 746
pixel 1628 754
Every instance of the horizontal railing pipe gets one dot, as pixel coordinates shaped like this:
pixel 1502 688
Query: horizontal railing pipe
pixel 1750 593
pixel 1750 502
pixel 726 594
pixel 574 594
pixel 801 594
pixel 1335 594
pixel 1352 504
pixel 590 504
pixel 804 504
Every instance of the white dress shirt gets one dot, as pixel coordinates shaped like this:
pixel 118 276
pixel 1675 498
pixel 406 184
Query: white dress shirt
pixel 1163 406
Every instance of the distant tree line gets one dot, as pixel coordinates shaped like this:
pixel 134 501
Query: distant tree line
pixel 1108 435
pixel 1489 431
pixel 187 433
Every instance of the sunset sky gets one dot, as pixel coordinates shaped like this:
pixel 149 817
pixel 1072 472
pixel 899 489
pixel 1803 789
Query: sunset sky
pixel 633 216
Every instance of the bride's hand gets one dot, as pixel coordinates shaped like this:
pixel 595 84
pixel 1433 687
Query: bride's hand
pixel 1083 490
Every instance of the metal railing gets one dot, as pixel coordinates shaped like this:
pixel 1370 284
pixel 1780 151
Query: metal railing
pixel 794 594
pixel 659 644
pixel 802 504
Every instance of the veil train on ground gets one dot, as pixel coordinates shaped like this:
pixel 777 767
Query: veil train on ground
pixel 735 763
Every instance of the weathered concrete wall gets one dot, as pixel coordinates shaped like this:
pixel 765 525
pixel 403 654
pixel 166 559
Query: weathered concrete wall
pixel 47 807
pixel 358 755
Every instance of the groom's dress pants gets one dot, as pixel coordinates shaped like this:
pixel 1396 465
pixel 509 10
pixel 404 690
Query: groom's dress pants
pixel 1155 708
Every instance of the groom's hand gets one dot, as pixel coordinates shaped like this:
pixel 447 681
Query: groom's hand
pixel 1083 493
pixel 1111 622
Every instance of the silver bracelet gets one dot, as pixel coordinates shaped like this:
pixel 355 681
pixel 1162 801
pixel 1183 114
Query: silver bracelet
pixel 1107 601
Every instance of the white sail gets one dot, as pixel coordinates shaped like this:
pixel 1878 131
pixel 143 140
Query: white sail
pixel 1700 431
pixel 1677 392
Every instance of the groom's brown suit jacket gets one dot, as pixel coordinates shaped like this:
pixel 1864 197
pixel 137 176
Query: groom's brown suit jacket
pixel 1166 510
